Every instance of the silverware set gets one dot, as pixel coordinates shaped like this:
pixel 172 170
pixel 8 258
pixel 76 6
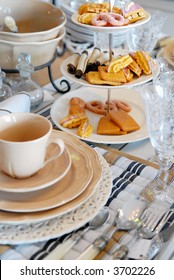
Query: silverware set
pixel 146 222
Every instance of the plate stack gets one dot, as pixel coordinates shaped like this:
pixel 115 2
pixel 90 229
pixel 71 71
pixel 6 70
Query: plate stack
pixel 78 37
pixel 63 196
pixel 33 27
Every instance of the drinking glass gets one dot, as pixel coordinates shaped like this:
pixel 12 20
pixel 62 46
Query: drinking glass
pixel 144 37
pixel 159 104
pixel 162 65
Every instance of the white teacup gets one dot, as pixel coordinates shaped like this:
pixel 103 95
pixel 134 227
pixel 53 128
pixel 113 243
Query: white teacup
pixel 24 138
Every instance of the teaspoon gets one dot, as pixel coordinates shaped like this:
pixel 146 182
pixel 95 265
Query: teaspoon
pixel 127 218
pixel 99 220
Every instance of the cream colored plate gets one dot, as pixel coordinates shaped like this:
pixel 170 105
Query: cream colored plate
pixel 61 106
pixel 72 185
pixel 21 218
pixel 168 53
pixel 66 223
pixel 48 175
pixel 110 29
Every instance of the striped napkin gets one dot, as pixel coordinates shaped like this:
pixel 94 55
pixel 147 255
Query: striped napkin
pixel 130 178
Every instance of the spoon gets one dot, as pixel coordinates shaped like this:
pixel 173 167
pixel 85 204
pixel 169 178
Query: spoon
pixel 127 218
pixel 99 220
pixel 11 24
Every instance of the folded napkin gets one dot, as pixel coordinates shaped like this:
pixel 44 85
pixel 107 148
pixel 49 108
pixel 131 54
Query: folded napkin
pixel 16 103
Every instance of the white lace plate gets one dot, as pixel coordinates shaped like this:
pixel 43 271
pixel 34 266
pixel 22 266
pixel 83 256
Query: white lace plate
pixel 29 233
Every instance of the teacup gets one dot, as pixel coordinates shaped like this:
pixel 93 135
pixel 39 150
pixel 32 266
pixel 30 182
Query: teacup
pixel 24 138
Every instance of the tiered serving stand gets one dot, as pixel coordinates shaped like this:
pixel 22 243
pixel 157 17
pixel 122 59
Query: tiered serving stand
pixel 110 31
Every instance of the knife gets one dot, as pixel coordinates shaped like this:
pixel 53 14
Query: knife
pixel 159 242
pixel 166 233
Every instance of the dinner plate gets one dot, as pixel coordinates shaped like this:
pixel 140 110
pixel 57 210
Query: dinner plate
pixel 34 217
pixel 110 29
pixel 56 227
pixel 60 109
pixel 98 173
pixel 51 173
pixel 135 81
pixel 73 184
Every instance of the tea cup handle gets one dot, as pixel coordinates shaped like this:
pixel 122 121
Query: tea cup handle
pixel 61 145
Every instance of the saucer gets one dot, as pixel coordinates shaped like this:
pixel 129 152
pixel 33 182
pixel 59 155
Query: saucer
pixel 98 179
pixel 51 173
pixel 72 185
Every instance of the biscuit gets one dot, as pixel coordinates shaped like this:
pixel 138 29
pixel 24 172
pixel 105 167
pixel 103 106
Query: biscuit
pixel 72 121
pixel 93 77
pixel 118 77
pixel 76 109
pixel 143 60
pixel 123 120
pixel 85 129
pixel 107 127
pixel 133 12
pixel 86 18
pixel 135 68
pixel 119 63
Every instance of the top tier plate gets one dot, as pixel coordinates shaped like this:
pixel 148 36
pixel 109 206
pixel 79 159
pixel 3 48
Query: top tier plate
pixel 111 29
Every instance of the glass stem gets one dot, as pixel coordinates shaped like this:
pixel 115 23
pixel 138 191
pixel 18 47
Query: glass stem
pixel 163 175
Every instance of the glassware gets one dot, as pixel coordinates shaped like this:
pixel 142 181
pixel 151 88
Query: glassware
pixel 5 90
pixel 159 103
pixel 145 37
pixel 161 65
pixel 26 83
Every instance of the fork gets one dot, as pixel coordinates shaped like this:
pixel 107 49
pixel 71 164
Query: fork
pixel 152 224
pixel 150 227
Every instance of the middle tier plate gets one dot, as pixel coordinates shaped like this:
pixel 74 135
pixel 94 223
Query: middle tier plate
pixel 61 106
pixel 136 81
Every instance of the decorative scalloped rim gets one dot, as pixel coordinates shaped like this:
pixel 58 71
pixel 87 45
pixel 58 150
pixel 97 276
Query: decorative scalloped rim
pixel 52 228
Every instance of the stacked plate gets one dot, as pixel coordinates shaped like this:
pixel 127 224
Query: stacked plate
pixel 61 197
pixel 78 35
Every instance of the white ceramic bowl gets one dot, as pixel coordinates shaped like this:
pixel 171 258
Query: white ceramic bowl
pixel 36 20
pixel 41 52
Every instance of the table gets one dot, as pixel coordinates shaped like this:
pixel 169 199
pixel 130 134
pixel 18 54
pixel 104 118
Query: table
pixel 135 153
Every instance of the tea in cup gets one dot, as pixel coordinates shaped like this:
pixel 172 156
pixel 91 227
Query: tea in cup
pixel 24 138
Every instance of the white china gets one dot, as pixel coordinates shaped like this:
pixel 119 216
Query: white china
pixel 111 29
pixel 41 52
pixel 36 20
pixel 60 109
pixel 135 81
